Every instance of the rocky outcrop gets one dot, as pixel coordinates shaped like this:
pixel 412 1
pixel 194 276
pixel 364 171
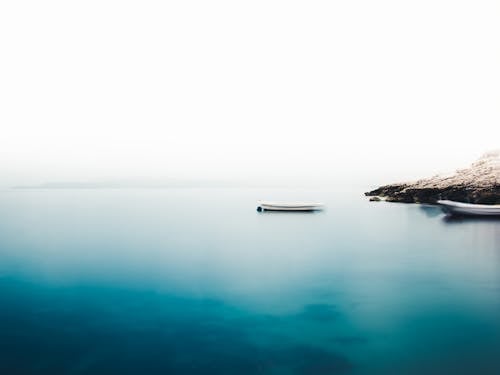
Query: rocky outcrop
pixel 478 184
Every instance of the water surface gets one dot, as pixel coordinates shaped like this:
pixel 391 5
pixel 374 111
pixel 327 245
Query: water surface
pixel 195 281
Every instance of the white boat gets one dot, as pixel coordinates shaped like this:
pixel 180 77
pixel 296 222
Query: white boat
pixel 459 208
pixel 289 206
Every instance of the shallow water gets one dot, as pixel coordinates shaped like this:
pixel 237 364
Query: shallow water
pixel 195 281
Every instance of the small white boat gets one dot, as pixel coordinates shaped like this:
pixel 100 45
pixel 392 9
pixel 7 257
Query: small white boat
pixel 459 208
pixel 289 206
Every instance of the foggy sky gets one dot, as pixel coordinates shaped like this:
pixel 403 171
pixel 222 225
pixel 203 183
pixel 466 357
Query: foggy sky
pixel 384 90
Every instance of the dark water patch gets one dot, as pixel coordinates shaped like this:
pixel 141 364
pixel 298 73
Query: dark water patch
pixel 349 340
pixel 46 330
pixel 319 312
pixel 312 360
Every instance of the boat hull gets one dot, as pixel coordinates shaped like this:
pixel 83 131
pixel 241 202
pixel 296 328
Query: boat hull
pixel 268 206
pixel 467 209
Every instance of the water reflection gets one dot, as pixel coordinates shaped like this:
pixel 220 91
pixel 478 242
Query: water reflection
pixel 268 212
pixel 430 210
pixel 457 219
pixel 484 231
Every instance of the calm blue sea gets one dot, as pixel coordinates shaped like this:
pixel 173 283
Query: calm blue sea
pixel 195 281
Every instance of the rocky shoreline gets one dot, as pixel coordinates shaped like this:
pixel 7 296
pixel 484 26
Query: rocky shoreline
pixel 478 184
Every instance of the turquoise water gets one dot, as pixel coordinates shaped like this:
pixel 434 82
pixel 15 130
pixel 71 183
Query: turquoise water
pixel 196 281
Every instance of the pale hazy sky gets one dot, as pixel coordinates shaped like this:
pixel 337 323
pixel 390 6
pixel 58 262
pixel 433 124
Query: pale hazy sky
pixel 245 89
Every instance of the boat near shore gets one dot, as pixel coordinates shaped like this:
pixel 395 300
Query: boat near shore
pixel 469 209
pixel 289 206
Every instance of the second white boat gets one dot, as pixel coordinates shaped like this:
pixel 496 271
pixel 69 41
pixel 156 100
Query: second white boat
pixel 469 209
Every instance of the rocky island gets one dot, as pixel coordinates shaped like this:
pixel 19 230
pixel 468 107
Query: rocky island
pixel 480 184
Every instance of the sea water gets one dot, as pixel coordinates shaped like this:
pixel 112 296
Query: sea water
pixel 195 281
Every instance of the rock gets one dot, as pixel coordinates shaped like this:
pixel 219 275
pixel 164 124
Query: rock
pixel 375 199
pixel 478 184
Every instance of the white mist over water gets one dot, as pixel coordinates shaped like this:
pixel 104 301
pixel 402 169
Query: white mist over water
pixel 296 91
